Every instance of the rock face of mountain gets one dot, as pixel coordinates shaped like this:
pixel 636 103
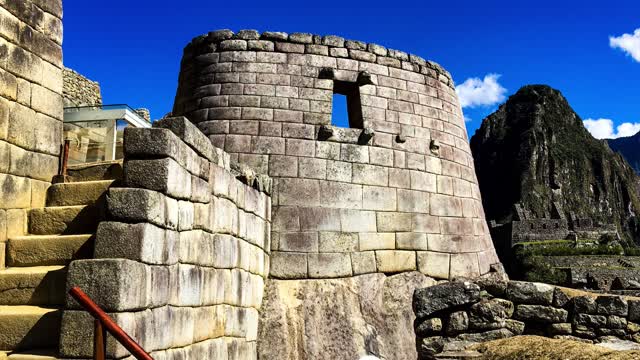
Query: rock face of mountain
pixel 534 156
pixel 629 147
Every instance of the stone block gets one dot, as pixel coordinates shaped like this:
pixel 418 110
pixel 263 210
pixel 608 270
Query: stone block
pixel 393 261
pixel 399 178
pixel 339 170
pixel 354 153
pixel 16 222
pixel 411 241
pixel 370 175
pixel 16 192
pixel 340 195
pixel 456 226
pixel 312 168
pixel 541 314
pixel 612 305
pixel 139 242
pixel 357 220
pixel 434 264
pixel 464 265
pixel 413 201
pixel 46 101
pixel 114 284
pixel 329 265
pixel 283 166
pixel 298 192
pixel 319 219
pixel 136 205
pixel 379 198
pixel 423 181
pixel 377 241
pixel 363 262
pixel 288 265
pixel 448 295
pixel 299 242
pixel 425 223
pixel 298 147
pixel 163 175
pixel 530 293
pixel 286 219
pixel 338 242
pixel 381 156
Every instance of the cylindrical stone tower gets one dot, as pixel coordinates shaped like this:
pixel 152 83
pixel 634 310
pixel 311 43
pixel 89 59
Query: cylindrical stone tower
pixel 395 191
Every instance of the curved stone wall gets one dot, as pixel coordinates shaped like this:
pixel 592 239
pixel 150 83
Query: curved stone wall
pixel 396 192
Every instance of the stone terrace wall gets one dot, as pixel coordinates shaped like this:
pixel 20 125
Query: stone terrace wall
pixel 80 91
pixel 397 194
pixel 451 316
pixel 181 263
pixel 30 108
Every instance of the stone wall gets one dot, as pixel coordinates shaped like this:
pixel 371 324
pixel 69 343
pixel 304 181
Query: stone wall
pixel 30 108
pixel 395 192
pixel 451 317
pixel 79 91
pixel 181 262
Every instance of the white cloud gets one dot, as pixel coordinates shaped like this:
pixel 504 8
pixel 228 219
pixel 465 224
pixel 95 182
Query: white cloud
pixel 628 43
pixel 467 119
pixel 604 128
pixel 475 92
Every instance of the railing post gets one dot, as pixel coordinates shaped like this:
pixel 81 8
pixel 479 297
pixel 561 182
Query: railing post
pixel 99 341
pixel 65 157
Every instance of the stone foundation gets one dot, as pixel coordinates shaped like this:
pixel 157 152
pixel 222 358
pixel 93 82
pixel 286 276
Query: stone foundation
pixel 452 316
pixel 181 262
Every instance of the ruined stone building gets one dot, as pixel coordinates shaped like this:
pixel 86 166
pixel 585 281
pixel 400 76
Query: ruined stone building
pixel 196 241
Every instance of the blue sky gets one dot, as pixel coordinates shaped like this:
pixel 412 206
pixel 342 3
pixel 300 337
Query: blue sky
pixel 133 48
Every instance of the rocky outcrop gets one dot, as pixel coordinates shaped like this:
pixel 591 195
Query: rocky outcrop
pixel 629 147
pixel 340 318
pixel 534 152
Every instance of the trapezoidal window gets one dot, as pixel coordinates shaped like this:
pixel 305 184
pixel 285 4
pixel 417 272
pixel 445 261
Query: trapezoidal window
pixel 346 110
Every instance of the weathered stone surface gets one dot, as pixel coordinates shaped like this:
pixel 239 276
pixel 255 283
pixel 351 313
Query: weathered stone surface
pixel 490 314
pixel 458 322
pixel 612 305
pixel 584 304
pixel 539 313
pixel 340 318
pixel 430 346
pixel 429 327
pixel 530 293
pixel 430 300
pixel 485 336
pixel 559 329
pixel 590 320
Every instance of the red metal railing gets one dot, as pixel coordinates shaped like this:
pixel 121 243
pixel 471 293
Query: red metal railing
pixel 103 324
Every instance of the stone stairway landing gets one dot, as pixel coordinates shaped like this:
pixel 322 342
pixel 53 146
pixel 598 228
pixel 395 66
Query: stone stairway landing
pixel 33 284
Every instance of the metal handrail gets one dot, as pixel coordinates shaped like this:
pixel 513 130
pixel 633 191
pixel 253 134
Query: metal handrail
pixel 104 323
pixel 101 107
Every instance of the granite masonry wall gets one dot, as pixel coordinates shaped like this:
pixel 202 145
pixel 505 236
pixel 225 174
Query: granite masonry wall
pixel 181 263
pixel 30 108
pixel 453 316
pixel 77 90
pixel 395 192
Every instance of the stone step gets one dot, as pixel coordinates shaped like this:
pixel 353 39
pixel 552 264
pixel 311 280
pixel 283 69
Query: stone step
pixel 105 170
pixel 65 220
pixel 42 250
pixel 36 285
pixel 77 193
pixel 29 327
pixel 45 354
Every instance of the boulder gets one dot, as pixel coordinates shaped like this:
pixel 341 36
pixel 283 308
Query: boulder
pixel 430 300
pixel 559 329
pixel 430 346
pixel 590 320
pixel 340 318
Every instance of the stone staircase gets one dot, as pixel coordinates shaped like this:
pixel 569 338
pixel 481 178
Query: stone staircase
pixel 32 286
